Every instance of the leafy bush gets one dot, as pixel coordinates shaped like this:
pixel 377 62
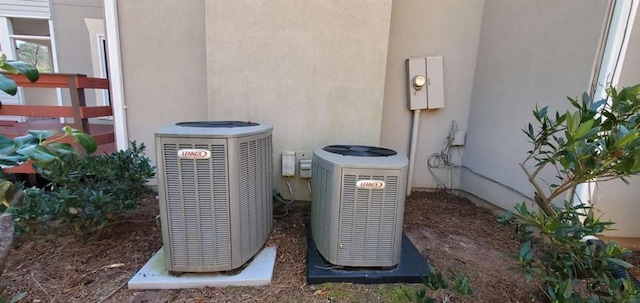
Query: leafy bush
pixel 599 141
pixel 553 250
pixel 87 191
pixel 435 281
pixel 7 84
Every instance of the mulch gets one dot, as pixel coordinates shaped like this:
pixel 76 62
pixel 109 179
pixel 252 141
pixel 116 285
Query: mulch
pixel 60 264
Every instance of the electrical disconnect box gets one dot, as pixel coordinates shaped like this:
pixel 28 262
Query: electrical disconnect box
pixel 288 163
pixel 304 160
pixel 425 77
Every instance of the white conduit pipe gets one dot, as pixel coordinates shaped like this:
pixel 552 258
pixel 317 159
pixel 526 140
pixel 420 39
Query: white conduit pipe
pixel 413 146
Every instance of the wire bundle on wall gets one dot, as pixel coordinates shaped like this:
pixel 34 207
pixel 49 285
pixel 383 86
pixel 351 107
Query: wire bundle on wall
pixel 442 159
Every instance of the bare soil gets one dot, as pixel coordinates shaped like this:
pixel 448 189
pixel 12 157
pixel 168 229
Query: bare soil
pixel 61 265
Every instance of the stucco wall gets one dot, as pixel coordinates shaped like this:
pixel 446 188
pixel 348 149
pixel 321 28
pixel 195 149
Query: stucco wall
pixel 530 52
pixel 615 200
pixel 164 65
pixel 429 28
pixel 313 69
pixel 73 42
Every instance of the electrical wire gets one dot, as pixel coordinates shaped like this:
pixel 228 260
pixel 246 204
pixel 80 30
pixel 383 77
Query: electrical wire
pixel 442 159
pixel 309 186
pixel 280 198
pixel 290 190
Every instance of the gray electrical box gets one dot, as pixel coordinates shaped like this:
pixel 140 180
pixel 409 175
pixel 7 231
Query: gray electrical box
pixel 425 82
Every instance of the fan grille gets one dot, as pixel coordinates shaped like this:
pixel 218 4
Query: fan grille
pixel 368 226
pixel 360 150
pixel 217 124
pixel 197 207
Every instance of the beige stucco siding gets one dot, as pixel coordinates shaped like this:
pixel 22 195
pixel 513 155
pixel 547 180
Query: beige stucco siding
pixel 430 28
pixel 530 52
pixel 313 69
pixel 73 42
pixel 615 200
pixel 164 65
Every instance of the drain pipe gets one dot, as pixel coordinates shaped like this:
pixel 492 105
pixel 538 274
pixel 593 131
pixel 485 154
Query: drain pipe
pixel 413 145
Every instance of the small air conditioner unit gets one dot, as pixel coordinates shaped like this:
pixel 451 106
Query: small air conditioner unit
pixel 214 187
pixel 358 204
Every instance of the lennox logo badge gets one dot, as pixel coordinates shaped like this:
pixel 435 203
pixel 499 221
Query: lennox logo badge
pixel 194 154
pixel 370 184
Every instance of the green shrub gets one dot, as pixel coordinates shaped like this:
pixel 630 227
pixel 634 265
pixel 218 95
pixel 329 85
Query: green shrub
pixel 553 250
pixel 87 191
pixel 598 141
pixel 435 281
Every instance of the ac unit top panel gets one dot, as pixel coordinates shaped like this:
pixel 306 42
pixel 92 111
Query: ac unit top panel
pixel 213 129
pixel 390 162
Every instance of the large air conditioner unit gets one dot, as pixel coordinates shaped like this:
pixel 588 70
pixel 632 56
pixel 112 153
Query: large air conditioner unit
pixel 358 204
pixel 215 193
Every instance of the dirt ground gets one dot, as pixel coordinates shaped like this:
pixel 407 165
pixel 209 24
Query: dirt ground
pixel 58 265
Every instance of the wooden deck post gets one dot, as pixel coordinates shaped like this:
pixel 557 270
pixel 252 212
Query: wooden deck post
pixel 77 101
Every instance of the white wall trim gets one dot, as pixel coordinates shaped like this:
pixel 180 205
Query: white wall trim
pixel 5 38
pixel 56 64
pixel 615 49
pixel 115 74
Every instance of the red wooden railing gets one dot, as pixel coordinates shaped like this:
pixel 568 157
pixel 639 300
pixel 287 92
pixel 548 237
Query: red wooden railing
pixel 79 111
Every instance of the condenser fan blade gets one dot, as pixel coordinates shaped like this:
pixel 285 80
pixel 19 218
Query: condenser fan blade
pixel 218 124
pixel 359 150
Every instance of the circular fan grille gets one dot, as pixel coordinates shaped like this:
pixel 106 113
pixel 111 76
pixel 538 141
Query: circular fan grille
pixel 359 150
pixel 219 124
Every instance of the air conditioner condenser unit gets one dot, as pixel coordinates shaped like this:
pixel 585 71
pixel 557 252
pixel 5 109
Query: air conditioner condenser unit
pixel 215 193
pixel 358 205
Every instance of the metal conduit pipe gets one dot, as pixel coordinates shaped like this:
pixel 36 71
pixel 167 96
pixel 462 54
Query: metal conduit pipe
pixel 413 145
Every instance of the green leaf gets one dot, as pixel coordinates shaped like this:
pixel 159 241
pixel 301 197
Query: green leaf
pixel 634 90
pixel 543 111
pixel 24 140
pixel 38 153
pixel 6 144
pixel 625 140
pixel 19 67
pixel 567 289
pixel 12 160
pixel 5 186
pixel 87 142
pixel 619 262
pixel 7 85
pixel 18 297
pixel 61 148
pixel 8 191
pixel 67 130
pixel 42 135
pixel 583 128
pixel 569 121
pixel 623 130
pixel 525 251
pixel 596 105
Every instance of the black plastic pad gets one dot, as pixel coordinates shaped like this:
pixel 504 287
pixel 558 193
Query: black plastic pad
pixel 412 268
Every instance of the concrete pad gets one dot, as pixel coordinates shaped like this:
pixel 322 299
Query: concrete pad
pixel 154 274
